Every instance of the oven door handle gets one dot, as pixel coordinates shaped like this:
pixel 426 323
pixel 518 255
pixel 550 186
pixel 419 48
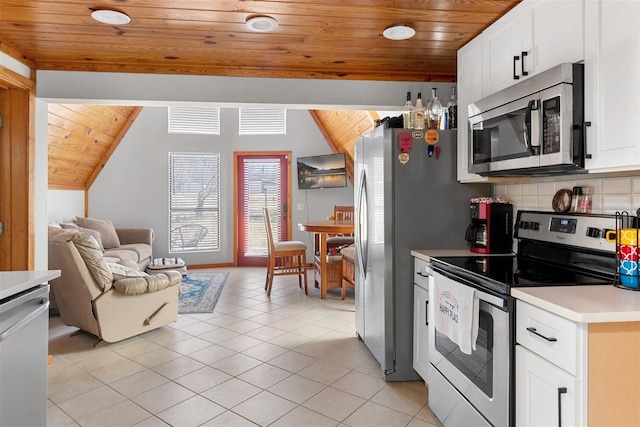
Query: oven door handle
pixel 482 296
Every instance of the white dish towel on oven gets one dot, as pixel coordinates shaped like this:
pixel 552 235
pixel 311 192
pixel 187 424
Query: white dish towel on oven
pixel 456 312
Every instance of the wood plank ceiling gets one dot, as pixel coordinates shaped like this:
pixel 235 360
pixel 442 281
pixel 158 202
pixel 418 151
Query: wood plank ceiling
pixel 335 39
pixel 81 140
pixel 326 39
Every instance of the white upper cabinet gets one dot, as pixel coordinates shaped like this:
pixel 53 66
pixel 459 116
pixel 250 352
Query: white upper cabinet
pixel 612 85
pixel 554 33
pixel 469 90
pixel 502 51
pixel 533 37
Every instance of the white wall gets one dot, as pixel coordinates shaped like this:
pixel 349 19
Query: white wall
pixel 41 183
pixel 161 89
pixel 64 205
pixel 132 191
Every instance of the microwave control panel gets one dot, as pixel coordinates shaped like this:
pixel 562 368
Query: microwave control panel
pixel 551 125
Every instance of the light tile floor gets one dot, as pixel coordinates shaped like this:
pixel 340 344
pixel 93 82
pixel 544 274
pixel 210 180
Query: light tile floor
pixel 288 360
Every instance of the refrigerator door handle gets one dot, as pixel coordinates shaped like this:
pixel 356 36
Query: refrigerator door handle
pixel 362 224
pixel 25 320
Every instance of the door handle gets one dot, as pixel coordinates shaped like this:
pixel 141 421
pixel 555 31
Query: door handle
pixel 515 75
pixel 524 73
pixel 426 311
pixel 561 391
pixel 534 331
pixel 586 125
pixel 25 320
pixel 532 105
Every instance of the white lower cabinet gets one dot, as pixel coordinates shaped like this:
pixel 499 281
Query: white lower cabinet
pixel 545 394
pixel 551 363
pixel 420 325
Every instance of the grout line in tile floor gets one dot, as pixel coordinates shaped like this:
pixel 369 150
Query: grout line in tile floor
pixel 288 360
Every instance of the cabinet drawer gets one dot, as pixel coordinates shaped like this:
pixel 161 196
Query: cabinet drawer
pixel 550 336
pixel 420 276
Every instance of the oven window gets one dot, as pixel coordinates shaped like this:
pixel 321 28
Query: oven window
pixel 477 366
pixel 500 138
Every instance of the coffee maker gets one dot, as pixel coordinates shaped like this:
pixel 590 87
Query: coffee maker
pixel 491 228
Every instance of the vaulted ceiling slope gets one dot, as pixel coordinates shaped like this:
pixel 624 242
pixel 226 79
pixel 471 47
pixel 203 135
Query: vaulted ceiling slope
pixel 332 39
pixel 81 140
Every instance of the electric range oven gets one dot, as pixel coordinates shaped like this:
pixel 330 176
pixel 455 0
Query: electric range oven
pixel 553 250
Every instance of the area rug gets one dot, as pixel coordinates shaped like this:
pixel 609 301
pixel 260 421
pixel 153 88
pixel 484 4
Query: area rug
pixel 200 291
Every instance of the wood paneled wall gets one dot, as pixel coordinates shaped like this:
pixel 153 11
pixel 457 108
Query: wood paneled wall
pixel 17 168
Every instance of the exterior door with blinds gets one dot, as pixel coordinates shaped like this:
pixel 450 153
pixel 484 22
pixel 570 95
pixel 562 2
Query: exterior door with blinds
pixel 263 182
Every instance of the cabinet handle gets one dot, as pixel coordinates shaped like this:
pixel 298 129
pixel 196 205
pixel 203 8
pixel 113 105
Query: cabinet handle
pixel 534 331
pixel 524 73
pixel 423 275
pixel 515 76
pixel 561 391
pixel 426 310
pixel 586 125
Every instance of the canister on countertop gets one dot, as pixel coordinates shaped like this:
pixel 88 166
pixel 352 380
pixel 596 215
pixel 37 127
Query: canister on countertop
pixel 576 195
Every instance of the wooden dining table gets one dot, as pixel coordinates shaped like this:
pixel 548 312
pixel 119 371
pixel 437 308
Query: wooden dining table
pixel 321 229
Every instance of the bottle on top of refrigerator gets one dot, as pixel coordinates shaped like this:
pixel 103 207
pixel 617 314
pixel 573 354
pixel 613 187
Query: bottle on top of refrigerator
pixel 434 111
pixel 418 113
pixel 407 113
pixel 452 108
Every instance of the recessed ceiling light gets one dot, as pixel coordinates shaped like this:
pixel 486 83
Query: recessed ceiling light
pixel 399 32
pixel 262 24
pixel 111 17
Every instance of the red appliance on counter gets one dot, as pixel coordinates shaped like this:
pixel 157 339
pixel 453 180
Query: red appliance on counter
pixel 491 228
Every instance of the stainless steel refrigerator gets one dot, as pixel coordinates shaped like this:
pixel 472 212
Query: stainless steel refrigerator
pixel 404 199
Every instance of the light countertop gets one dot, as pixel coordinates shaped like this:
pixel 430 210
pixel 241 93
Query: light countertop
pixel 426 254
pixel 584 304
pixel 13 282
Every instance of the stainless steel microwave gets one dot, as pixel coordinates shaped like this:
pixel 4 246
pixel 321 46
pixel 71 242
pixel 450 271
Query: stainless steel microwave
pixel 535 127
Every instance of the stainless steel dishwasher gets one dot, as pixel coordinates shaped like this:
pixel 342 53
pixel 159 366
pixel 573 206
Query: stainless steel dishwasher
pixel 24 321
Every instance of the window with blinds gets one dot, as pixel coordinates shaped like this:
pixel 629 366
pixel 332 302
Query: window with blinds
pixel 262 178
pixel 194 202
pixel 194 120
pixel 263 121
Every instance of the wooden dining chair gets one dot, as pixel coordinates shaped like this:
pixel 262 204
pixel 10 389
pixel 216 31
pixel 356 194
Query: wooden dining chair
pixel 343 213
pixel 284 258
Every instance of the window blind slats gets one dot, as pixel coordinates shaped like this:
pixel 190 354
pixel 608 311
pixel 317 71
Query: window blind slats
pixel 263 121
pixel 199 120
pixel 194 202
pixel 261 190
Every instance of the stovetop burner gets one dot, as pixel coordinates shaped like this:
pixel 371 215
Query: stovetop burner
pixel 553 250
pixel 507 272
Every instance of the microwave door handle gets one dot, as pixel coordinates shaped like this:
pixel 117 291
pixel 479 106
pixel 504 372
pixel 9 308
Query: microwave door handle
pixel 527 126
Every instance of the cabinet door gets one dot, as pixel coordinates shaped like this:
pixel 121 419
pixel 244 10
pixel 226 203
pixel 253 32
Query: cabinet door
pixel 469 90
pixel 554 33
pixel 612 86
pixel 420 331
pixel 500 43
pixel 544 392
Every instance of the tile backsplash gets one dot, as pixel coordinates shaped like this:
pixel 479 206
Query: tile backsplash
pixel 609 194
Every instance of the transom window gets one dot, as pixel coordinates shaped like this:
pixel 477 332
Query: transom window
pixel 194 120
pixel 263 121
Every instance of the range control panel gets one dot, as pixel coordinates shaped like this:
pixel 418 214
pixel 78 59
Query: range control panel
pixel 580 230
